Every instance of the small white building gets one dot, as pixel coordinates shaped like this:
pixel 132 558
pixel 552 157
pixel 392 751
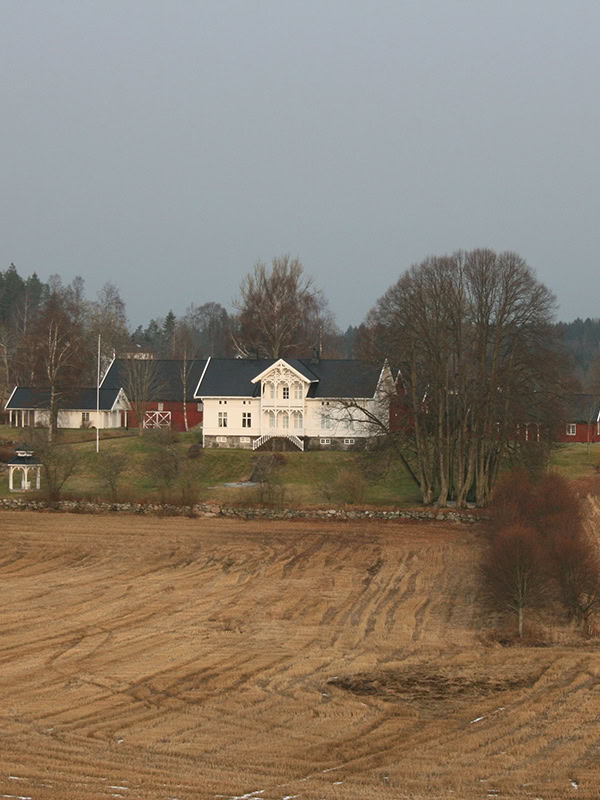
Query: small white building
pixel 313 403
pixel 29 407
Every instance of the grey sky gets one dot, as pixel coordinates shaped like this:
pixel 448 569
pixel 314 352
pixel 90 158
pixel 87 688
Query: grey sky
pixel 166 146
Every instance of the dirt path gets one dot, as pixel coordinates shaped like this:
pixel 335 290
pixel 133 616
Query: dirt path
pixel 149 658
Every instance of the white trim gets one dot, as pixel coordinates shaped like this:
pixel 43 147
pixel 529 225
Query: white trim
pixel 6 408
pixel 202 376
pixel 120 396
pixel 107 371
pixel 289 366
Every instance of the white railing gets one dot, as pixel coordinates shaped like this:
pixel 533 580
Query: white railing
pixel 157 419
pixel 266 436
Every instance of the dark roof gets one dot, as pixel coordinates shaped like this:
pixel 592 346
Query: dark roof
pixel 232 377
pixel 78 398
pixel 581 407
pixel 24 460
pixel 167 379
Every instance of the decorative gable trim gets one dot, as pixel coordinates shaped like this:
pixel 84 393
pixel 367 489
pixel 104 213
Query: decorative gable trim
pixel 281 362
pixel 121 402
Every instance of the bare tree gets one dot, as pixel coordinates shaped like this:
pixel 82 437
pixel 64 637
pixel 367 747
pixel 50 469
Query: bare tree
pixel 515 572
pixel 109 466
pixel 107 319
pixel 471 334
pixel 281 312
pixel 60 352
pixel 142 384
pixel 58 463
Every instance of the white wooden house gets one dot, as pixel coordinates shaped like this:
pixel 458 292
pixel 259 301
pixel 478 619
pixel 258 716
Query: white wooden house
pixel 313 403
pixel 29 407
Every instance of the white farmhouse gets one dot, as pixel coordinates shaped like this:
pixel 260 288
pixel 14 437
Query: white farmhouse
pixel 312 403
pixel 30 407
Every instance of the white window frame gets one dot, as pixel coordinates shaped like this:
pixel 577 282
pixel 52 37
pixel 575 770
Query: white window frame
pixel 199 406
pixel 222 419
pixel 324 441
pixel 571 428
pixel 221 439
pixel 349 441
pixel 160 406
pixel 297 390
pixel 285 392
pixel 244 439
pixel 246 419
pixel 297 415
pixel 285 421
pixel 85 416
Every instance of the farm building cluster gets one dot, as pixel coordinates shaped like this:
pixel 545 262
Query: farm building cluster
pixel 307 403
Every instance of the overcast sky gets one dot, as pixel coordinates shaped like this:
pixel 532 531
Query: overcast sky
pixel 168 145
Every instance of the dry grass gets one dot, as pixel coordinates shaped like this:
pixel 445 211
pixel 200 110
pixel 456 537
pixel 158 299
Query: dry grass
pixel 177 658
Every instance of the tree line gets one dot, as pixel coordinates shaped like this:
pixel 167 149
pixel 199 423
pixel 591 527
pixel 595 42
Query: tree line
pixel 470 337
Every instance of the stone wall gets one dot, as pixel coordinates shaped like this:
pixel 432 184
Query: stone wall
pixel 204 510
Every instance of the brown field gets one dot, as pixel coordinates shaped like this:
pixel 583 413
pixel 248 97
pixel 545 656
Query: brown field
pixel 175 658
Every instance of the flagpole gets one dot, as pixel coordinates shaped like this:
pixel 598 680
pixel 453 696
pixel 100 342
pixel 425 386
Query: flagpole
pixel 98 401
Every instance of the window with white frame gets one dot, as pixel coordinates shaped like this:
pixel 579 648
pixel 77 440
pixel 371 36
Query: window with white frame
pixel 348 441
pixel 222 420
pixel 571 429
pixel 324 441
pixel 325 421
pixel 297 391
pixel 285 392
pixel 272 391
pixel 160 406
pixel 285 421
pixel 297 416
pixel 199 406
pixel 85 416
pixel 246 419
pixel 244 439
pixel 221 439
pixel 271 416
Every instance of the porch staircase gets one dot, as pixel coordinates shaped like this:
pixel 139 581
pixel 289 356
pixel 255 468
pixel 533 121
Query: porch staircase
pixel 295 440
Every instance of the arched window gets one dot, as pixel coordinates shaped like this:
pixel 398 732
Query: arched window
pixel 297 420
pixel 298 391
pixel 285 391
pixel 284 420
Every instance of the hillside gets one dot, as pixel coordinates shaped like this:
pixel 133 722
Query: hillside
pixel 176 658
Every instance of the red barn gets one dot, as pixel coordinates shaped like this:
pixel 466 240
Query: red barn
pixel 581 419
pixel 159 387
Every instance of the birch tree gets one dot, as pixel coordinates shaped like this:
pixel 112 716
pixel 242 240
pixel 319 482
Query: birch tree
pixel 281 312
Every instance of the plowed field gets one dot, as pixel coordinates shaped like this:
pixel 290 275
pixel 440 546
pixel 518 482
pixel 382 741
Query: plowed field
pixel 176 658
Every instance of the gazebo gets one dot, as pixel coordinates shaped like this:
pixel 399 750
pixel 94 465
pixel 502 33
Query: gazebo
pixel 25 465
